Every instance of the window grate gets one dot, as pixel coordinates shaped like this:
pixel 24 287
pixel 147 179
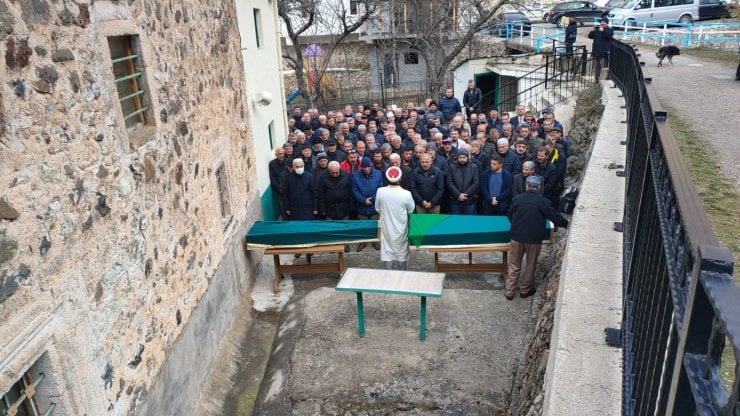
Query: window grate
pixel 223 191
pixel 129 79
pixel 21 399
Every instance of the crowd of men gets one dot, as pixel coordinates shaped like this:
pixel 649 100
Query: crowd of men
pixel 333 164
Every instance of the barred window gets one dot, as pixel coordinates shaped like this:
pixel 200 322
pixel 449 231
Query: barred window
pixel 23 398
pixel 223 191
pixel 128 71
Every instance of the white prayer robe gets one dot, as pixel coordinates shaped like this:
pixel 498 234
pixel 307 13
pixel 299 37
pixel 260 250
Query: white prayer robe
pixel 394 205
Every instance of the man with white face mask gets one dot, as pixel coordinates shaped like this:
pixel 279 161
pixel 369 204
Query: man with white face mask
pixel 299 196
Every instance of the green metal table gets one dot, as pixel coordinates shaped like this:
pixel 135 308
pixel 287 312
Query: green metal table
pixel 392 282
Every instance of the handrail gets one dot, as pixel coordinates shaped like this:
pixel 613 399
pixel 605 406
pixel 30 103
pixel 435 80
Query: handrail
pixel 681 304
pixel 684 34
pixel 562 74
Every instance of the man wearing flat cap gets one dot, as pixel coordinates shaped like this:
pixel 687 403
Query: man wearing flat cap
pixel 527 214
pixel 394 205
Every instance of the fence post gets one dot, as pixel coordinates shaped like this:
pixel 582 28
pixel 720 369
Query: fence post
pixel 687 37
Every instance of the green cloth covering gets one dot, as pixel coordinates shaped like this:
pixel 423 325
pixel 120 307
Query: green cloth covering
pixel 446 230
pixel 296 233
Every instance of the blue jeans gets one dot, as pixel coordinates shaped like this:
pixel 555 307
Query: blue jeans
pixel 462 209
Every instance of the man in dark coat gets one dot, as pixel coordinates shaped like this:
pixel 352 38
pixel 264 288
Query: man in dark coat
pixel 549 173
pixel 472 99
pixel 275 168
pixel 427 186
pixel 463 182
pixel 527 215
pixel 335 193
pixel 299 197
pixel 519 181
pixel 602 36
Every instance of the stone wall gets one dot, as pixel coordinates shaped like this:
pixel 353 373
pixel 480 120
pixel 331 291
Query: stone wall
pixel 109 239
pixel 528 392
pixel 348 66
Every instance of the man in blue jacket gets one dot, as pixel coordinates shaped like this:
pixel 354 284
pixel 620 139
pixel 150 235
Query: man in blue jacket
pixel 527 215
pixel 365 184
pixel 495 188
pixel 449 105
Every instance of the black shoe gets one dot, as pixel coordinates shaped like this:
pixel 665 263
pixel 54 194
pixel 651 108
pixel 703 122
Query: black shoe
pixel 296 256
pixel 509 297
pixel 528 294
pixel 346 249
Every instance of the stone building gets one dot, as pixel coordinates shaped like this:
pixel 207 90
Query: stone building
pixel 127 181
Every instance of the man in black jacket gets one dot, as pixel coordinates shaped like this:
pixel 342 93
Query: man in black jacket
pixel 427 186
pixel 527 215
pixel 472 99
pixel 463 183
pixel 602 36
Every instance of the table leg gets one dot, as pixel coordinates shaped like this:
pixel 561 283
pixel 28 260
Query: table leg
pixel 423 319
pixel 360 315
pixel 470 257
pixel 436 262
pixel 341 263
pixel 276 284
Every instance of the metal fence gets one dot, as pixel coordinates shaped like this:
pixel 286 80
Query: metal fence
pixel 565 73
pixel 721 35
pixel 398 93
pixel 681 304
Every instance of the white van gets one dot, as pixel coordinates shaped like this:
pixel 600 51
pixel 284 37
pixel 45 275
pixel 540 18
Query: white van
pixel 683 11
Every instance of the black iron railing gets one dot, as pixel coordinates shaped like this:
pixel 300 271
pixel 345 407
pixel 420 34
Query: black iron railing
pixel 681 304
pixel 337 96
pixel 565 73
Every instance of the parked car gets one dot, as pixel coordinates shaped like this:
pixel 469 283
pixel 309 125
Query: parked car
pixel 714 9
pixel 510 24
pixel 580 11
pixel 654 11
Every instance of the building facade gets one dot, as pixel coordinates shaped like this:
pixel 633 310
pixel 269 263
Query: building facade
pixel 129 178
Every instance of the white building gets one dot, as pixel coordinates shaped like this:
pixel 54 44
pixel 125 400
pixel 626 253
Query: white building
pixel 259 29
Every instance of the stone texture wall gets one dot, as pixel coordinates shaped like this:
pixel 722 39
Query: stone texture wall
pixel 348 66
pixel 109 240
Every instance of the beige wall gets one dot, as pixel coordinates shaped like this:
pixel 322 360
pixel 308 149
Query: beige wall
pixel 128 272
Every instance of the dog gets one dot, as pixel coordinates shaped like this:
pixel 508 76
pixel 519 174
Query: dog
pixel 667 52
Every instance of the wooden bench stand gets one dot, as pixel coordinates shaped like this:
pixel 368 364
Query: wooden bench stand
pixel 470 266
pixel 282 269
pixel 392 282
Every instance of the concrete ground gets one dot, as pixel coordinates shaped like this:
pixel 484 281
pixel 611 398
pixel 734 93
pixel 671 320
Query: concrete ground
pixel 320 365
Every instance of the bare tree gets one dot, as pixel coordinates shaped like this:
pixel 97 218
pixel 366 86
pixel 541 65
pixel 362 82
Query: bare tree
pixel 330 19
pixel 439 30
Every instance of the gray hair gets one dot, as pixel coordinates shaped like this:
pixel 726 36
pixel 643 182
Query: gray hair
pixel 528 164
pixel 394 156
pixel 385 146
pixel 333 164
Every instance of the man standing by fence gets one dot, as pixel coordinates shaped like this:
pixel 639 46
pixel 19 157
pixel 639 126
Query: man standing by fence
pixel 602 36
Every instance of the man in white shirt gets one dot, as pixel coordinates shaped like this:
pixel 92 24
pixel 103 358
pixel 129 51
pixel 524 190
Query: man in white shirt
pixel 394 205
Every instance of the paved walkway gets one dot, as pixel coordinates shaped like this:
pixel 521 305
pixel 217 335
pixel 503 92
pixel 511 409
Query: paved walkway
pixel 705 94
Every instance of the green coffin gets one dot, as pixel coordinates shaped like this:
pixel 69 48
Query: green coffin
pixel 308 233
pixel 452 230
